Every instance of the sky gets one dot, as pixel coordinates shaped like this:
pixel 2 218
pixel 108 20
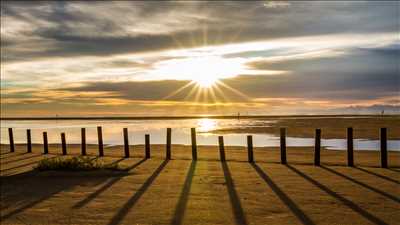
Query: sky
pixel 179 58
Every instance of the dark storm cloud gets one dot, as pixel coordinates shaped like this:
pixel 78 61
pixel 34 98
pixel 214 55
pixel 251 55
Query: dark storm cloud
pixel 360 74
pixel 150 90
pixel 105 28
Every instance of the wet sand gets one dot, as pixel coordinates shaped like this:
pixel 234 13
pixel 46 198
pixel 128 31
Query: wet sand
pixel 207 191
pixel 365 127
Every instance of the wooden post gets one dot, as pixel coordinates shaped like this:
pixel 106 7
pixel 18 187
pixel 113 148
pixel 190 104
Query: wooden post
pixel 83 141
pixel 100 138
pixel 29 141
pixel 63 144
pixel 194 143
pixel 250 148
pixel 221 148
pixel 317 147
pixel 384 160
pixel 283 145
pixel 168 147
pixel 45 143
pixel 126 143
pixel 350 150
pixel 147 145
pixel 11 136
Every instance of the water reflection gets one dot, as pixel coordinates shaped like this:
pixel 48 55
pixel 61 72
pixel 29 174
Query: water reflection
pixel 112 133
pixel 206 125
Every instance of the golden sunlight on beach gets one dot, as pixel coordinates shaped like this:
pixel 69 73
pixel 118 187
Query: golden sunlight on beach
pixel 205 125
pixel 199 112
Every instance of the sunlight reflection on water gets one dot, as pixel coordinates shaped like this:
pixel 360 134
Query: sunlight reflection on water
pixel 206 125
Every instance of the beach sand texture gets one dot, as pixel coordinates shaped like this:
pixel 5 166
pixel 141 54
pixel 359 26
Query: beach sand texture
pixel 206 191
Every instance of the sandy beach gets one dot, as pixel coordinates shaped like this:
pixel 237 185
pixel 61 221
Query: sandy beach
pixel 206 191
pixel 332 127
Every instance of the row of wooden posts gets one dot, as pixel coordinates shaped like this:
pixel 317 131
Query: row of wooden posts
pixel 317 147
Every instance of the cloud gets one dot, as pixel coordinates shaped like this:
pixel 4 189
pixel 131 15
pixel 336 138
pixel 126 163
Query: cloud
pixel 121 53
pixel 377 109
pixel 59 29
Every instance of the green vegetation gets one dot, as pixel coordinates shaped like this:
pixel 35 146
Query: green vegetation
pixel 77 163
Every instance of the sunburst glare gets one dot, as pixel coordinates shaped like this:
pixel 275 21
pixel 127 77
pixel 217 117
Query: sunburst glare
pixel 206 125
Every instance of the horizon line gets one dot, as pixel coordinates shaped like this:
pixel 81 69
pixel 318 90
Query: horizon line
pixel 188 117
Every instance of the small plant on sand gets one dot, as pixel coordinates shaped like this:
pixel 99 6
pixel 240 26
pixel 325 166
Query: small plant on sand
pixel 77 163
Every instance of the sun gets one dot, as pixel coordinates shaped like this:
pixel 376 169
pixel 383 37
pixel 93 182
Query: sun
pixel 207 71
pixel 204 71
pixel 206 81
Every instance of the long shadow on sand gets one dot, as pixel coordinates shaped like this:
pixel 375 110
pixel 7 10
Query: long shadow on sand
pixel 92 196
pixel 283 197
pixel 24 165
pixel 14 154
pixel 132 201
pixel 387 195
pixel 23 191
pixel 5 162
pixel 348 203
pixel 378 175
pixel 394 170
pixel 5 153
pixel 237 209
pixel 184 196
pixel 115 162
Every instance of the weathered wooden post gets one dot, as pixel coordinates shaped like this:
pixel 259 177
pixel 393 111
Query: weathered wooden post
pixel 83 141
pixel 29 141
pixel 194 144
pixel 283 145
pixel 250 148
pixel 384 160
pixel 63 144
pixel 168 147
pixel 350 150
pixel 147 145
pixel 126 143
pixel 11 136
pixel 221 148
pixel 317 147
pixel 100 138
pixel 45 143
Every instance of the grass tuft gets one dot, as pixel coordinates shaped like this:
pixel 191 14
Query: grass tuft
pixel 77 163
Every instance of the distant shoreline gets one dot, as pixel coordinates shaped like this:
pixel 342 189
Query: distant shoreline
pixel 192 117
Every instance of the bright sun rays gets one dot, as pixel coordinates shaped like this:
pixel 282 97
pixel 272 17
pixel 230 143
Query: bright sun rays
pixel 205 74
pixel 205 71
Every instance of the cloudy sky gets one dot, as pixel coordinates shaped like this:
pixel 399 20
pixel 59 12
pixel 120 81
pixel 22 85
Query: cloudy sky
pixel 183 58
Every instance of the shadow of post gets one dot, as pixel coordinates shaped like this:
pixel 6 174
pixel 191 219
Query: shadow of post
pixel 5 153
pixel 92 196
pixel 20 159
pixel 132 201
pixel 24 197
pixel 348 203
pixel 115 162
pixel 394 170
pixel 378 175
pixel 387 195
pixel 184 196
pixel 13 154
pixel 25 164
pixel 283 197
pixel 237 209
